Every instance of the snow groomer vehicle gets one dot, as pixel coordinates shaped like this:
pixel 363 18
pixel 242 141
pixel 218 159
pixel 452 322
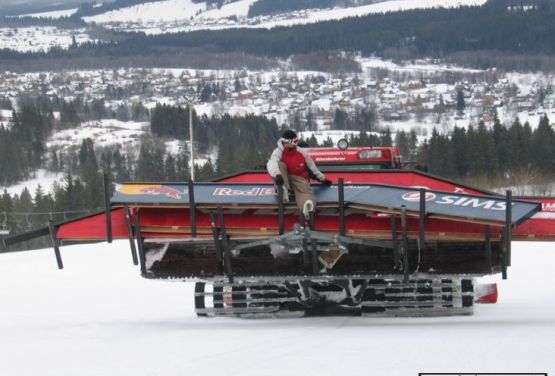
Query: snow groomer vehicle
pixel 383 240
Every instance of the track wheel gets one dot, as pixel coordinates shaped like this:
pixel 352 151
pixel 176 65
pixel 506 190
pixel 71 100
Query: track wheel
pixel 199 298
pixel 218 297
pixel 467 288
pixel 239 300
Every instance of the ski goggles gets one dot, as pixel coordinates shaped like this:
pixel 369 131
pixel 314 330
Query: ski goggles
pixel 288 141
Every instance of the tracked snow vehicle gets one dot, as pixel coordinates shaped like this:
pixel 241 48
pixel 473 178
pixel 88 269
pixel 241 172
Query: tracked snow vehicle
pixel 383 240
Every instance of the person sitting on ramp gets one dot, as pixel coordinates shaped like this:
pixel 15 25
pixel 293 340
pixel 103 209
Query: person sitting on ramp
pixel 292 167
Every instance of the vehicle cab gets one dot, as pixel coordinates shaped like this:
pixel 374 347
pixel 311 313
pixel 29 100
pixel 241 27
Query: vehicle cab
pixel 379 158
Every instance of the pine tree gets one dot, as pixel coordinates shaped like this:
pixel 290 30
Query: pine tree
pixel 170 173
pixel 489 155
pixel 69 115
pixel 340 120
pixel 501 140
pixel 312 141
pixel 7 221
pixel 91 175
pixel 121 172
pixel 543 146
pixel 385 138
pixel 182 169
pixel 157 171
pixel 311 121
pixel 23 205
pixel 145 164
pixel 460 150
pixel 461 105
pixel 440 156
pixel 413 145
pixel 402 143
pixel 43 204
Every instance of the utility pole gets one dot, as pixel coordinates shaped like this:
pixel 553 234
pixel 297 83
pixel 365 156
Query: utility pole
pixel 190 102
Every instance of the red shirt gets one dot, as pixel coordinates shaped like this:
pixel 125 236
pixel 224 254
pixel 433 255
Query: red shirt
pixel 295 162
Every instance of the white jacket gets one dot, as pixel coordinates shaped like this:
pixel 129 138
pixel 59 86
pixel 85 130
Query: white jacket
pixel 273 164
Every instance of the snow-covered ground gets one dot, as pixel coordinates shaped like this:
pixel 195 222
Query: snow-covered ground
pixel 98 317
pixel 40 38
pixel 184 15
pixel 167 10
pixel 105 132
pixel 52 14
pixel 43 178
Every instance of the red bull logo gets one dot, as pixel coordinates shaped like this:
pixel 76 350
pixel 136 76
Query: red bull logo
pixel 150 190
pixel 256 191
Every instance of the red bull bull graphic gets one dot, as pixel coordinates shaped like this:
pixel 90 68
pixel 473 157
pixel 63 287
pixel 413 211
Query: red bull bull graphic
pixel 151 190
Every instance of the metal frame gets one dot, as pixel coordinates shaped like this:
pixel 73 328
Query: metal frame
pixel 107 208
pixel 216 239
pixel 139 238
pixel 341 203
pixel 130 234
pixel 192 208
pixel 281 209
pixel 225 245
pixel 55 244
pixel 405 244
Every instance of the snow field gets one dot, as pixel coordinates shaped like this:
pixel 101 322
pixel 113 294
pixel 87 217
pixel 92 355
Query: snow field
pixel 99 317
pixel 36 39
pixel 52 14
pixel 183 15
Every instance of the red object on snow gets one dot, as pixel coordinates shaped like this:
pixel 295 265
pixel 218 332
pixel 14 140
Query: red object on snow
pixel 485 293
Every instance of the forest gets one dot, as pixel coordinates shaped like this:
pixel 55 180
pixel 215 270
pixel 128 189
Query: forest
pixel 445 33
pixel 491 155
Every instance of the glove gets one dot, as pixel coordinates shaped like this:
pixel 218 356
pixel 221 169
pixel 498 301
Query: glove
pixel 325 181
pixel 279 180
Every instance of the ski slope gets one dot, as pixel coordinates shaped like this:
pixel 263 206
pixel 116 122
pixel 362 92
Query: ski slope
pixel 98 317
pixel 161 17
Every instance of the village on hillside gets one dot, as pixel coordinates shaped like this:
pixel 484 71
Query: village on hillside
pixel 419 96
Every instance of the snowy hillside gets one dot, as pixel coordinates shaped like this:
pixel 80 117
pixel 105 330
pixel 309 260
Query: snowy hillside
pixel 184 15
pixel 34 39
pixel 170 16
pixel 98 317
pixel 52 14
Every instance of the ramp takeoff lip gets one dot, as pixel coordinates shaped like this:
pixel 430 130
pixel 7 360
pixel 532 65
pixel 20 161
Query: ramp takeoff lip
pixel 456 206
